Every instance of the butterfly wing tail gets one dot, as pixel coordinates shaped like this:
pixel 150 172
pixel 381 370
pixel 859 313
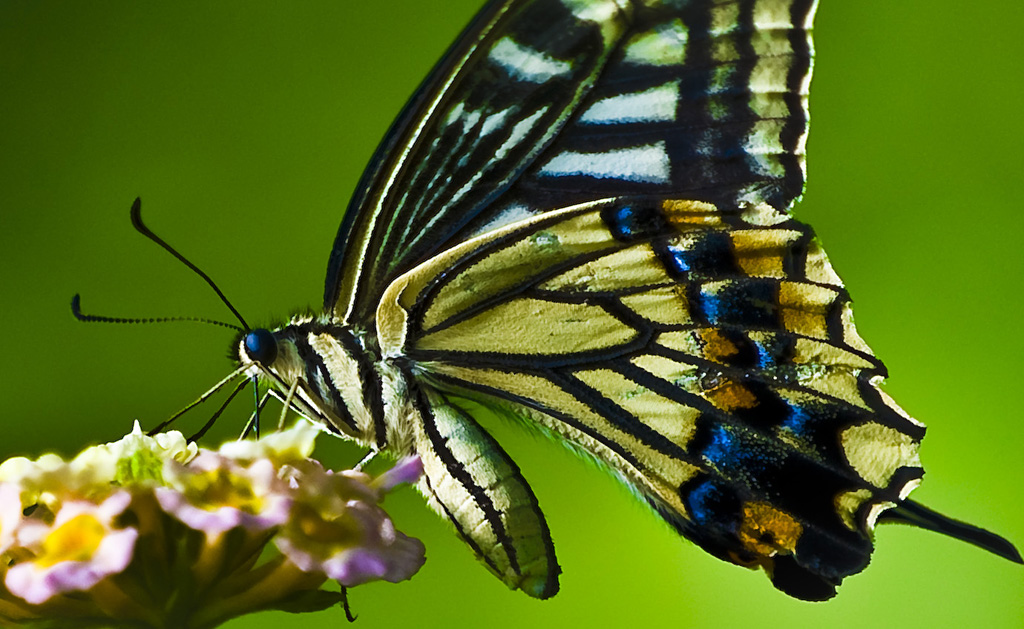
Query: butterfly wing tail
pixel 910 512
pixel 472 481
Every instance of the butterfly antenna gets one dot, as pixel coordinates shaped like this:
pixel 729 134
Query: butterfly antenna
pixel 136 214
pixel 76 310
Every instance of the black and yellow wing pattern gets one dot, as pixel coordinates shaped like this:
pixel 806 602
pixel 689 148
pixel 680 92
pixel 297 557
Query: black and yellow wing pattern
pixel 709 358
pixel 582 218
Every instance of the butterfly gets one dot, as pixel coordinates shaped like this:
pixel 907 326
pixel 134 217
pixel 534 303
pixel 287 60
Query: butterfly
pixel 582 219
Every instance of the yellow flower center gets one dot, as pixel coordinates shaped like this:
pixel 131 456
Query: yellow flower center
pixel 219 488
pixel 337 532
pixel 75 540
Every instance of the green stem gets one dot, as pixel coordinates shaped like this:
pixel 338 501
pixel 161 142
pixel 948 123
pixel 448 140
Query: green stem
pixel 282 578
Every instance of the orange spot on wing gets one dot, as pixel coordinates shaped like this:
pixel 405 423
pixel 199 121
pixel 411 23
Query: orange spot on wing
pixel 730 396
pixel 766 530
pixel 716 346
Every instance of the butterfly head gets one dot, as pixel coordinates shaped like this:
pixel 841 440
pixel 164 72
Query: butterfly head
pixel 269 354
pixel 260 346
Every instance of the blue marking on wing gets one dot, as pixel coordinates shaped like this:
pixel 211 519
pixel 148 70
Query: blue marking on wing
pixel 738 457
pixel 630 223
pixel 749 304
pixel 800 420
pixel 678 259
pixel 709 504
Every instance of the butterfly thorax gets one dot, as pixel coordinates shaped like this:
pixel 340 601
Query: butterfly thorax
pixel 335 376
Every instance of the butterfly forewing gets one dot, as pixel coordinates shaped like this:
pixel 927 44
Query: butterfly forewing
pixel 546 103
pixel 706 102
pixel 493 103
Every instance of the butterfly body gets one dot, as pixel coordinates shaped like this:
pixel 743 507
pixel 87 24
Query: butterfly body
pixel 581 219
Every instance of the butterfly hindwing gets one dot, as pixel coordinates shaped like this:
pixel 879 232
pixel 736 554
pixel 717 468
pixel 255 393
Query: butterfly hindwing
pixel 544 104
pixel 707 356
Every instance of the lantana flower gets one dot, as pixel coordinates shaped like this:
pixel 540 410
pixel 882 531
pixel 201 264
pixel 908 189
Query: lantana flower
pixel 337 528
pixel 78 550
pixel 214 494
pixel 153 531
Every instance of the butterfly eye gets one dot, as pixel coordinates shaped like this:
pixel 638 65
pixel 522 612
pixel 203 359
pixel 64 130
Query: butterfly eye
pixel 261 346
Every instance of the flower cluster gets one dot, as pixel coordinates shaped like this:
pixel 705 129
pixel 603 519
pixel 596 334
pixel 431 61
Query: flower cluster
pixel 153 531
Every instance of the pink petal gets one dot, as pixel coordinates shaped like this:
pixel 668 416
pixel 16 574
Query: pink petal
pixel 37 585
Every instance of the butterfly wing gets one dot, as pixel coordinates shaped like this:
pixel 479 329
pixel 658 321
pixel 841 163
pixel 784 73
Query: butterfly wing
pixel 544 103
pixel 707 356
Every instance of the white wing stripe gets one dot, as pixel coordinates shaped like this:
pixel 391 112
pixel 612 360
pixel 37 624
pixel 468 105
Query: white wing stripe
pixel 649 164
pixel 527 64
pixel 657 104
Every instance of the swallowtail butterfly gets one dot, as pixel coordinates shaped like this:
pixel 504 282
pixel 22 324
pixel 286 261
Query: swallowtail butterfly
pixel 583 218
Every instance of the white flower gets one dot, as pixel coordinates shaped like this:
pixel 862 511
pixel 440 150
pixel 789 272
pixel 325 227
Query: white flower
pixel 282 447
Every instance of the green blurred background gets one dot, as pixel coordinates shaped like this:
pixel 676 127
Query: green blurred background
pixel 244 127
